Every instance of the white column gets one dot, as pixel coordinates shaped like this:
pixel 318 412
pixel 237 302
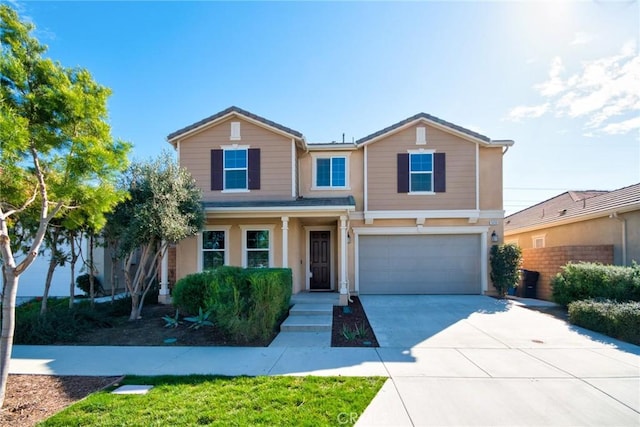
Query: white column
pixel 484 262
pixel 163 297
pixel 285 242
pixel 343 261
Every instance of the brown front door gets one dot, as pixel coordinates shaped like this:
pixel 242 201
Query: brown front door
pixel 320 263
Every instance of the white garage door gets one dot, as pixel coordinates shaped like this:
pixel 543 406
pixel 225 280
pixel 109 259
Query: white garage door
pixel 419 264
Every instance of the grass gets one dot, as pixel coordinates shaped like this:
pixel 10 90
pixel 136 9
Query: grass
pixel 226 401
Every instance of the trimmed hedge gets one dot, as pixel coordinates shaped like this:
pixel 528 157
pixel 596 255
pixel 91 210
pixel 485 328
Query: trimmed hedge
pixel 617 320
pixel 591 280
pixel 246 304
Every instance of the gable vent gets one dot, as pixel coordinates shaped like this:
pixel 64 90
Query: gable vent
pixel 421 135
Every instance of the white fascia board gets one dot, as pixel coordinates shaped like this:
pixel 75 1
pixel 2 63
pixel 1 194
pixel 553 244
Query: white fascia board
pixel 432 214
pixel 276 212
pixel 332 147
pixel 476 229
pixel 565 221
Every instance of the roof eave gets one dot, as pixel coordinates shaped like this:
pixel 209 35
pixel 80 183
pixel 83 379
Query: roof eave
pixel 437 125
pixel 173 139
pixel 571 220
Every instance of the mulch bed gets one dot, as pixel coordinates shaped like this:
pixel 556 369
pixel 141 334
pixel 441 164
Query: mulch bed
pixel 348 321
pixel 32 398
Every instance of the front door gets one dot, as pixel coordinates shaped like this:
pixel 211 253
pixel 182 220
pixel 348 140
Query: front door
pixel 320 262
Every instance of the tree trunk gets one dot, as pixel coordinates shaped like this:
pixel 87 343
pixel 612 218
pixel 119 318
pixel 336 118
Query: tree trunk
pixel 72 264
pixel 8 326
pixel 92 287
pixel 47 283
pixel 135 309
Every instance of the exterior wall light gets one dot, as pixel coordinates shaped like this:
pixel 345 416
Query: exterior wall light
pixel 494 237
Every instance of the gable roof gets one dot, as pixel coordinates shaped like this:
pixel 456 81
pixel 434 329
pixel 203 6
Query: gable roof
pixel 574 206
pixel 437 122
pixel 229 112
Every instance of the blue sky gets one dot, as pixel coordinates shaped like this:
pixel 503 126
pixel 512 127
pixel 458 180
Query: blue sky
pixel 561 79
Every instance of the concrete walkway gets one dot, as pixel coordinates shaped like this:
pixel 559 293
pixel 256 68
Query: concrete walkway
pixel 467 360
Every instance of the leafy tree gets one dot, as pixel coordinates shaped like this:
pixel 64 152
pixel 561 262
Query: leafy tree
pixel 505 264
pixel 163 207
pixel 55 143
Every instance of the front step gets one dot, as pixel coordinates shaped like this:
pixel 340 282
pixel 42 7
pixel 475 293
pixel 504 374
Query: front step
pixel 311 310
pixel 309 317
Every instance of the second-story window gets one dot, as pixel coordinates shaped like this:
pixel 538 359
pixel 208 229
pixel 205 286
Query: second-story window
pixel 421 172
pixel 235 169
pixel 331 172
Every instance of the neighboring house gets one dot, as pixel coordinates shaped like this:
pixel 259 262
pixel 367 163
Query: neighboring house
pixel 410 209
pixel 602 226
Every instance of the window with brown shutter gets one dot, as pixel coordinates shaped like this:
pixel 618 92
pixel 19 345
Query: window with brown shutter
pixel 254 168
pixel 403 172
pixel 217 170
pixel 439 173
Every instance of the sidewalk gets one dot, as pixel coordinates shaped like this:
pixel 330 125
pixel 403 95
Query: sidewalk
pixel 505 366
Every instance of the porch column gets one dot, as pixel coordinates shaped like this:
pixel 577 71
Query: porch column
pixel 164 297
pixel 285 242
pixel 344 291
pixel 484 262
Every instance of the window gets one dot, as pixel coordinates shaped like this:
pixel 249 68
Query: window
pixel 213 249
pixel 331 172
pixel 421 172
pixel 235 169
pixel 257 248
pixel 538 241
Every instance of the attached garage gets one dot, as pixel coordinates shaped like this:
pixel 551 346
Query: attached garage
pixel 419 264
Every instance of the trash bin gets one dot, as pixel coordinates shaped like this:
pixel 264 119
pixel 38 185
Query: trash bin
pixel 529 283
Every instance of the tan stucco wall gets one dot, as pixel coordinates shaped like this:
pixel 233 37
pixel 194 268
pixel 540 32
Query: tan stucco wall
pixel 599 231
pixel 275 159
pixel 460 172
pixel 491 197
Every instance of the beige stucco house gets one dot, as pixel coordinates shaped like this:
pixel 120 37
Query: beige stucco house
pixel 410 209
pixel 590 226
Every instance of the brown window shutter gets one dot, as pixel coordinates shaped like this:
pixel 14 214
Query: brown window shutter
pixel 439 173
pixel 254 168
pixel 403 172
pixel 217 170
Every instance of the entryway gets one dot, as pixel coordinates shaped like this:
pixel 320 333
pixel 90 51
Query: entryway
pixel 320 260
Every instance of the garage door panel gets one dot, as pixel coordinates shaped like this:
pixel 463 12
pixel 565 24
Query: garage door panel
pixel 419 264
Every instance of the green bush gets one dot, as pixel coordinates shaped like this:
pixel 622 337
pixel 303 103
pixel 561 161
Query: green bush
pixel 193 291
pixel 505 264
pixel 82 282
pixel 59 323
pixel 591 280
pixel 618 320
pixel 246 304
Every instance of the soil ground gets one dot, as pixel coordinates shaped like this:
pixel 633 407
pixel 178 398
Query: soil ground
pixel 345 324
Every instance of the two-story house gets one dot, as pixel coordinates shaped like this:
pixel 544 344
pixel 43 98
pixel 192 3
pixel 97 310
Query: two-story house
pixel 410 209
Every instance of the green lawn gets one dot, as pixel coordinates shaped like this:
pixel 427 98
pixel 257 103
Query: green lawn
pixel 227 401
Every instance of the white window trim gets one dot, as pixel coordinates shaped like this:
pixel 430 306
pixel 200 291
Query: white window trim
pixel 542 237
pixel 224 169
pixel 422 193
pixel 314 159
pixel 257 227
pixel 227 242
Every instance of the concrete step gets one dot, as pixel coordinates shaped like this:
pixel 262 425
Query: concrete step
pixel 302 339
pixel 307 323
pixel 311 309
pixel 316 298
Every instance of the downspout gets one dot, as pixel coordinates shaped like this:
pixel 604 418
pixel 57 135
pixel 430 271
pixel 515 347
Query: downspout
pixel 624 236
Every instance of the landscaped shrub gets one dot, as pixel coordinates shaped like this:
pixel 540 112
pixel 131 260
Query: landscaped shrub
pixel 246 304
pixel 59 323
pixel 82 282
pixel 618 320
pixel 193 291
pixel 590 280
pixel 505 264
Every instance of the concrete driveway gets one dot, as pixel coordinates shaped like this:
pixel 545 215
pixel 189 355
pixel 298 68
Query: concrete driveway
pixel 475 360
